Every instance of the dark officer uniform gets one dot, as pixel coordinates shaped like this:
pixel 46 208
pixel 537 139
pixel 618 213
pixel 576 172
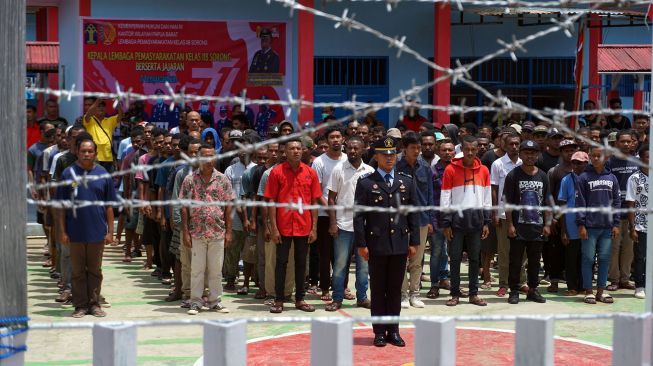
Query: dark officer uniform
pixel 387 236
pixel 265 61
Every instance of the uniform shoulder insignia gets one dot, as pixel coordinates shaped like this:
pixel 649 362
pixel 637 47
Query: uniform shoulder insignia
pixel 405 175
pixel 365 175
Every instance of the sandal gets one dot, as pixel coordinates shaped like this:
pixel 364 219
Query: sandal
pixel 349 295
pixel 613 287
pixel 243 291
pixel 475 300
pixel 570 293
pixel 453 301
pixel 127 259
pixel 304 306
pixel 276 308
pixel 312 290
pixel 334 306
pixel 433 293
pixel 326 296
pixel 590 299
pixel 260 294
pixel 486 285
pixel 605 298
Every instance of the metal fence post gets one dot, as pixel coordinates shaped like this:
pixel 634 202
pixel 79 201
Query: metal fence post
pixel 534 341
pixel 435 342
pixel 332 342
pixel 631 340
pixel 225 343
pixel 114 345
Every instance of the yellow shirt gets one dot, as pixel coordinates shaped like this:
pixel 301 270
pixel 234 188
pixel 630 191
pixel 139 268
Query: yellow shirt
pixel 102 140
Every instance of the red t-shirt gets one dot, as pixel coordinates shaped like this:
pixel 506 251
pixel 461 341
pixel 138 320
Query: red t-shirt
pixel 288 186
pixel 33 134
pixel 414 123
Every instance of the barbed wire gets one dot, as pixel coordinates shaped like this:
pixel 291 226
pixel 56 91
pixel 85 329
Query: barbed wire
pixel 501 105
pixel 392 4
pixel 301 207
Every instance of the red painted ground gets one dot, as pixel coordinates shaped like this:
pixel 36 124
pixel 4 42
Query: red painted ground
pixel 475 347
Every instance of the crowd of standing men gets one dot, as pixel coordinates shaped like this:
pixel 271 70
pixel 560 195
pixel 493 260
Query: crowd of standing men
pixel 196 246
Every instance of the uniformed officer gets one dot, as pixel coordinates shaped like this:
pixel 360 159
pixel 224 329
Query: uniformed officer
pixel 265 60
pixel 386 239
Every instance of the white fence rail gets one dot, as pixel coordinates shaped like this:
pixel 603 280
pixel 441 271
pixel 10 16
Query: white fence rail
pixel 225 341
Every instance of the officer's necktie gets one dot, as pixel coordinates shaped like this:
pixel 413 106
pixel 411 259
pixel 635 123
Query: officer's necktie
pixel 387 180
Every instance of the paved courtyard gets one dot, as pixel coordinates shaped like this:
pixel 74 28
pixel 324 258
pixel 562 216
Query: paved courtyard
pixel 135 295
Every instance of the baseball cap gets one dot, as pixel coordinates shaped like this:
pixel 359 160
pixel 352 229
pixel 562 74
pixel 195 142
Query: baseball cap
pixel 529 145
pixel 554 132
pixel 580 156
pixel 517 127
pixel 564 143
pixel 540 129
pixel 439 136
pixel 274 130
pixel 528 126
pixel 394 132
pixel 612 137
pixel 235 135
pixel 386 146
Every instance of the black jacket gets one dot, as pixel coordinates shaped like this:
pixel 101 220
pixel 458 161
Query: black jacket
pixel 385 233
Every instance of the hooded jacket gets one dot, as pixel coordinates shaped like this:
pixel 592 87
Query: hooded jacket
pixel 452 133
pixel 467 187
pixel 598 190
pixel 216 138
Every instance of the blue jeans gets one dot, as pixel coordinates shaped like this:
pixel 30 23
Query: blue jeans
pixel 439 260
pixel 598 243
pixel 342 248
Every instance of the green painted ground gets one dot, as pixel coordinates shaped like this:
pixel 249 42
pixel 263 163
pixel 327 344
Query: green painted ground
pixel 135 295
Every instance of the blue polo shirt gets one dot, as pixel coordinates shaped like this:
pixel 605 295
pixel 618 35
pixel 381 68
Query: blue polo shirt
pixel 88 224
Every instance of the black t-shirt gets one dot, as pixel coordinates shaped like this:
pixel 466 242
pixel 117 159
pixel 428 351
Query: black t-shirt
pixel 555 178
pixel 64 162
pixel 523 189
pixel 153 172
pixel 488 158
pixel 547 161
pixel 624 124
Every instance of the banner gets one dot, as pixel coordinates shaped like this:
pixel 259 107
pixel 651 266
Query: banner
pixel 578 74
pixel 213 58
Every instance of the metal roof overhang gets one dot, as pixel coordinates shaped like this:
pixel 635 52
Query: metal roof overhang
pixel 624 59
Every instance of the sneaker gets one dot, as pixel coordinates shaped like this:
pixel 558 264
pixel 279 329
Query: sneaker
pixel 219 308
pixel 535 296
pixel 639 293
pixel 405 303
pixel 185 304
pixel 416 302
pixel 269 301
pixel 194 309
pixel 545 281
pixel 513 298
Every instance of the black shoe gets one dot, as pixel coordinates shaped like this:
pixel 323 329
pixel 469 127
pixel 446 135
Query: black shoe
pixel 136 254
pixel 534 295
pixel 379 340
pixel 396 340
pixel 513 298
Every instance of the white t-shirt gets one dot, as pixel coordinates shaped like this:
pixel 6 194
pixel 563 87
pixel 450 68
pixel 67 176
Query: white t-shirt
pixel 323 166
pixel 637 191
pixel 343 180
pixel 500 169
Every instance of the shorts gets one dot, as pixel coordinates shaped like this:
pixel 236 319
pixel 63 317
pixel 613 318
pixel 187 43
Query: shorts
pixel 249 254
pixel 151 232
pixel 131 220
pixel 40 217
